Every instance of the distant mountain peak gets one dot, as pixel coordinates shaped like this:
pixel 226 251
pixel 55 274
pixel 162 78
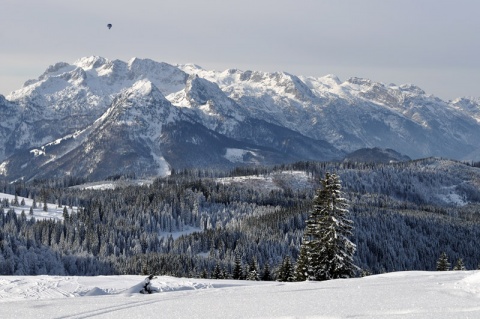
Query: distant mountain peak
pixel 144 102
pixel 143 87
pixel 360 81
pixel 91 62
pixel 412 89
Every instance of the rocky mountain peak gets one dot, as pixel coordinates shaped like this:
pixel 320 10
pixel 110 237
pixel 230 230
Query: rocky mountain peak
pixel 141 103
pixel 91 62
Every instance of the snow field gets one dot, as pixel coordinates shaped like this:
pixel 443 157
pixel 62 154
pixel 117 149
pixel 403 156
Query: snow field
pixel 415 294
pixel 54 212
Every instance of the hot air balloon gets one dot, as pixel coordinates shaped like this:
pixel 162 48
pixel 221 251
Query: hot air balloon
pixel 109 26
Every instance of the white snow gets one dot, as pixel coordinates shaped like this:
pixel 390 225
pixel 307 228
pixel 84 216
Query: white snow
pixel 235 155
pixel 451 197
pixel 102 185
pixel 454 294
pixel 294 180
pixel 252 182
pixel 53 211
pixel 3 168
pixel 175 235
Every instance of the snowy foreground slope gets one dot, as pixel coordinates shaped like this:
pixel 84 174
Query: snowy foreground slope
pixel 454 294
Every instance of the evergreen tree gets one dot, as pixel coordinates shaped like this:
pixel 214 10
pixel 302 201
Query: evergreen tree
pixel 302 268
pixel 65 214
pixel 245 272
pixel 237 269
pixel 459 265
pixel 224 273
pixel 252 273
pixel 442 262
pixel 217 272
pixel 266 274
pixel 326 251
pixel 365 273
pixel 285 272
pixel 44 193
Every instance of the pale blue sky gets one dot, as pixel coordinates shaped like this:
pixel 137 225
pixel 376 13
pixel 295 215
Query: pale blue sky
pixel 434 44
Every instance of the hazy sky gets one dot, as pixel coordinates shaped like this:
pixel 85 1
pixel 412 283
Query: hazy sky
pixel 434 44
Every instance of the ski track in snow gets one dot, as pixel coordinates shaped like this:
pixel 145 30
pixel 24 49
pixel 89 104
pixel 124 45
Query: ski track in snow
pixel 107 310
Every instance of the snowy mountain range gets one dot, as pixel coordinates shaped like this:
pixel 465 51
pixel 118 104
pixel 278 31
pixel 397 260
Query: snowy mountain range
pixel 98 117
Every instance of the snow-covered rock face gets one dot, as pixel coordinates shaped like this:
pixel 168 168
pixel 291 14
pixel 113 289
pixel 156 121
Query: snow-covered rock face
pixel 292 114
pixel 470 106
pixel 92 82
pixel 75 95
pixel 9 117
pixel 141 106
pixel 353 114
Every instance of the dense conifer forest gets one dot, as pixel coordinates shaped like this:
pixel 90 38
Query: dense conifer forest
pixel 247 223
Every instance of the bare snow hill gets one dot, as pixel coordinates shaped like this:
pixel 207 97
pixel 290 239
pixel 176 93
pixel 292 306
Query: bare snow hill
pixel 436 295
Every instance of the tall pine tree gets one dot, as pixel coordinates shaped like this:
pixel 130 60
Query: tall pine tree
pixel 237 270
pixel 442 263
pixel 285 272
pixel 326 251
pixel 459 265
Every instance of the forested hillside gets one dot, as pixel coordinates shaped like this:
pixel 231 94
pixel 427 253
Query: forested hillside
pixel 205 223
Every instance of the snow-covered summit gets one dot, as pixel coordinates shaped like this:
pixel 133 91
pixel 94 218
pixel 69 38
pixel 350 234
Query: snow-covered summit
pixel 100 77
pixel 91 62
pixel 141 103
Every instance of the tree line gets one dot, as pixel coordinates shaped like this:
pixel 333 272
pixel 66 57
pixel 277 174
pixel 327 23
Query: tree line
pixel 206 223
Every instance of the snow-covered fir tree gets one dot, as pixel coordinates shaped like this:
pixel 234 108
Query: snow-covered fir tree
pixel 286 271
pixel 459 265
pixel 217 272
pixel 266 274
pixel 442 263
pixel 237 270
pixel 252 273
pixel 326 251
